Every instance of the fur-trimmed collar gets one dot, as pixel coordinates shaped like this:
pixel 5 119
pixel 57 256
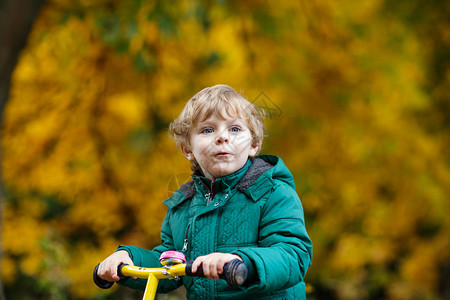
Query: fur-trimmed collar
pixel 256 169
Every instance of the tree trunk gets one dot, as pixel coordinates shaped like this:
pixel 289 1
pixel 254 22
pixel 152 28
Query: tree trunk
pixel 16 20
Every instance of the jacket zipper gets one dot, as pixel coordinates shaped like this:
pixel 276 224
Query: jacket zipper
pixel 210 195
pixel 185 244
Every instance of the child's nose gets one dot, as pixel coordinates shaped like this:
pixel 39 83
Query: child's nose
pixel 221 139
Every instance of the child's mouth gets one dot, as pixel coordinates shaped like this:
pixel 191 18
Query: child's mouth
pixel 223 154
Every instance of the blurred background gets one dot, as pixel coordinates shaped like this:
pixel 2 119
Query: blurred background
pixel 358 100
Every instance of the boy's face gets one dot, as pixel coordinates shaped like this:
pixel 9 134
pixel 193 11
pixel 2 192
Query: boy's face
pixel 219 146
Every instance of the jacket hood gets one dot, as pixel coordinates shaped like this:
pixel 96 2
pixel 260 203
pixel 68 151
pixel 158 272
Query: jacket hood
pixel 269 169
pixel 279 170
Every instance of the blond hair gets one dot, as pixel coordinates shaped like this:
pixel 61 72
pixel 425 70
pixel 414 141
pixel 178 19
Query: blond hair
pixel 210 101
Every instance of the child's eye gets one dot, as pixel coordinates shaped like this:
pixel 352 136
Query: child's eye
pixel 207 130
pixel 235 129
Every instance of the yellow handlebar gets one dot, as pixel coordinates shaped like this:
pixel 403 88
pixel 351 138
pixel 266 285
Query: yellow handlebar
pixel 160 273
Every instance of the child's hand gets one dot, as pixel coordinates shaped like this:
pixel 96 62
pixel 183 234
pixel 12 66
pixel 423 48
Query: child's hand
pixel 213 263
pixel 108 268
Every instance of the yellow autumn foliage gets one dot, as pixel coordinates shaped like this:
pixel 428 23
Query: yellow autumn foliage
pixel 87 160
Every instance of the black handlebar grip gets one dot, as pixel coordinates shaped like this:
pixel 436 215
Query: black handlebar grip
pixel 105 284
pixel 101 283
pixel 119 271
pixel 234 272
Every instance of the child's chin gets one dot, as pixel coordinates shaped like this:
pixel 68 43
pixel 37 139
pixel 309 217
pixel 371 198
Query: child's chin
pixel 223 171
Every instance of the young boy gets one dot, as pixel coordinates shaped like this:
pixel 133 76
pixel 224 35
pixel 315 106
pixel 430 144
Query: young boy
pixel 238 205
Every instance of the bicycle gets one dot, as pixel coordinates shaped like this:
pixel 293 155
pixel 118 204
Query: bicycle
pixel 174 266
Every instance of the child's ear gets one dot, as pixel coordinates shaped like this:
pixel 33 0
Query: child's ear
pixel 187 152
pixel 254 150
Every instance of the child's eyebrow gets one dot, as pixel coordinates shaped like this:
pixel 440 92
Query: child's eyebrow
pixel 236 120
pixel 204 122
pixel 209 121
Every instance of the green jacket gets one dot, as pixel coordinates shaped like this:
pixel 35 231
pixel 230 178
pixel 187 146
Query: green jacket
pixel 255 213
